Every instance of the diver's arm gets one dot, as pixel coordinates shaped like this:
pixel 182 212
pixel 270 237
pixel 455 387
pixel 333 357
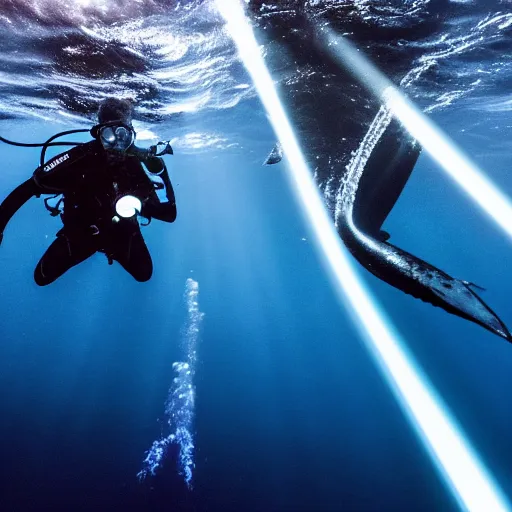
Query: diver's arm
pixel 154 164
pixel 15 200
pixel 52 178
pixel 160 211
pixel 153 208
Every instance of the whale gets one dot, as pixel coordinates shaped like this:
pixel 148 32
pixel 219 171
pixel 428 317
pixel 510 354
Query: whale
pixel 361 156
pixel 374 181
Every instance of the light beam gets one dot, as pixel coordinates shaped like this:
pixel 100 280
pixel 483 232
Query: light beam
pixel 437 144
pixel 465 474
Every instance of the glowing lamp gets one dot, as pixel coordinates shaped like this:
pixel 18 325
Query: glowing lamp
pixel 128 206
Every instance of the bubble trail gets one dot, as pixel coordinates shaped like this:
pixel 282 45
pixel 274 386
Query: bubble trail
pixel 179 407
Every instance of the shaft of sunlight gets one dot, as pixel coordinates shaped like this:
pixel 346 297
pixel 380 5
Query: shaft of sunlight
pixel 466 476
pixel 437 144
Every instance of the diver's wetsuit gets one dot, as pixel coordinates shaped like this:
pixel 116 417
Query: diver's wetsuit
pixel 91 180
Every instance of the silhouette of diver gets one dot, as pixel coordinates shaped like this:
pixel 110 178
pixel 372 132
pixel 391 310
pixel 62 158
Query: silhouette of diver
pixel 104 184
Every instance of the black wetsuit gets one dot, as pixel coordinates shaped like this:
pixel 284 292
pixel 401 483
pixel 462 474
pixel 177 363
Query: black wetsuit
pixel 90 180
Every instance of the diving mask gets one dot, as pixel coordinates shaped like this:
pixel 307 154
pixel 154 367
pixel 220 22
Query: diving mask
pixel 117 137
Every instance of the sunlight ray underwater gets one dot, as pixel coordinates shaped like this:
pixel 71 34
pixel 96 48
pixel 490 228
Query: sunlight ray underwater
pixel 456 460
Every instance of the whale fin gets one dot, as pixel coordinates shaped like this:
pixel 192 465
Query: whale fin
pixel 478 287
pixel 388 169
pixel 384 176
pixel 383 236
pixel 430 284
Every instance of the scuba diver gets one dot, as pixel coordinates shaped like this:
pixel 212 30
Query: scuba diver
pixel 103 185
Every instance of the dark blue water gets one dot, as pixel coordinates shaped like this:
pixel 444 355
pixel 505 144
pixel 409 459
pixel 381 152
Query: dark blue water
pixel 291 412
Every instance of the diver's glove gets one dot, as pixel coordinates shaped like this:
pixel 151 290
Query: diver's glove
pixel 160 149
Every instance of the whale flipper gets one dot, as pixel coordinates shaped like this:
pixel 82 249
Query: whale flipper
pixel 360 157
pixel 383 236
pixel 390 166
pixel 380 179
pixel 430 284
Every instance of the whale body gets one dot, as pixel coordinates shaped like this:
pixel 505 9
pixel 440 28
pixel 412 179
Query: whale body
pixel 361 156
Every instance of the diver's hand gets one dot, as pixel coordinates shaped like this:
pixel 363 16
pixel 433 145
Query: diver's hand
pixel 161 149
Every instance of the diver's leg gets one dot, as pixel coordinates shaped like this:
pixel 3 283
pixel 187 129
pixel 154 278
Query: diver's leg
pixel 62 254
pixel 132 253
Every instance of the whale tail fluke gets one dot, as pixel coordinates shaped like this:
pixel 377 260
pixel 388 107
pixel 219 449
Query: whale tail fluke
pixel 430 284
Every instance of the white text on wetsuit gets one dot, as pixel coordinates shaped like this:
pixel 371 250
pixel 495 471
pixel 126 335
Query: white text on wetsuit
pixel 56 162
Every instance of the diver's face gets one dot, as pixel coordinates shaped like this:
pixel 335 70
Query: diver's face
pixel 116 137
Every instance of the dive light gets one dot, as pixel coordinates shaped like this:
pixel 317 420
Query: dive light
pixel 128 206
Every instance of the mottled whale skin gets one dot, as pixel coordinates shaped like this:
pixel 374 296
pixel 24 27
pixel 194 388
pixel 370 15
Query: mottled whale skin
pixel 361 157
pixel 374 182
